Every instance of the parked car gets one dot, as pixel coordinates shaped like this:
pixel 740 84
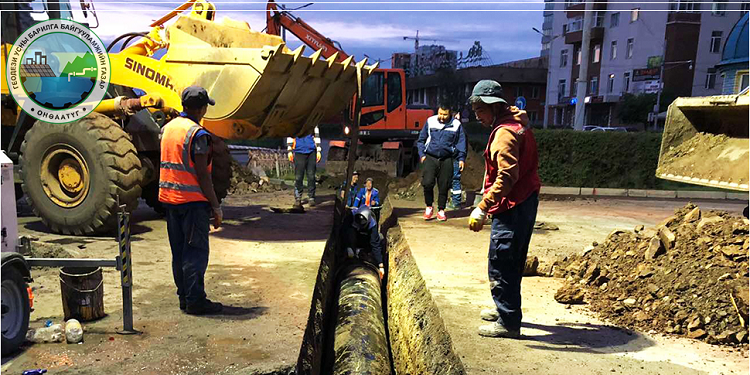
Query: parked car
pixel 609 129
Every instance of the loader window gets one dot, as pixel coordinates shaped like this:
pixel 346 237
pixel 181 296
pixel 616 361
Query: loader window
pixel 373 90
pixel 394 91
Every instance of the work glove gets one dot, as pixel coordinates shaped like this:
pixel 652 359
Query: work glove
pixel 476 220
pixel 291 157
pixel 381 271
pixel 218 217
pixel 317 157
pixel 460 166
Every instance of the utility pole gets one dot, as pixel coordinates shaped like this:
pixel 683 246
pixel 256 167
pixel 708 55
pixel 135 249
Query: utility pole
pixel 583 69
pixel 661 80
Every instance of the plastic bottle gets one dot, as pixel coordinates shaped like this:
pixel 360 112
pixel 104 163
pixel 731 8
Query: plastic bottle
pixel 53 333
pixel 73 331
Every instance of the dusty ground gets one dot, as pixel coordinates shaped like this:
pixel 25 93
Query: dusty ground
pixel 557 340
pixel 262 264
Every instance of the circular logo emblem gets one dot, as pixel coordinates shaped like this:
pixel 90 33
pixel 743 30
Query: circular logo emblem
pixel 58 71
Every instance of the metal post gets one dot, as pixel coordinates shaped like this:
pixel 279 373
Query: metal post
pixel 658 91
pixel 126 271
pixel 583 69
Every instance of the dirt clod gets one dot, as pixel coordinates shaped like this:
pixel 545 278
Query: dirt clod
pixel 570 294
pixel 681 280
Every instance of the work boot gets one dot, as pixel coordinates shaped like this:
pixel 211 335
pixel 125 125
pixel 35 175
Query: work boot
pixel 496 329
pixel 490 315
pixel 205 307
pixel 428 213
pixel 183 304
pixel 312 202
pixel 297 203
pixel 441 216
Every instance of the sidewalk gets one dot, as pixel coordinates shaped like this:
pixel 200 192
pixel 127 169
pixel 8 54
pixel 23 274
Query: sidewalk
pixel 640 193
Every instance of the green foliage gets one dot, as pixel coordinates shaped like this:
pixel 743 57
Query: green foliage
pixel 592 159
pixel 635 108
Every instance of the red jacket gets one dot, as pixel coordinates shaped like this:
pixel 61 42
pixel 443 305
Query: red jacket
pixel 511 163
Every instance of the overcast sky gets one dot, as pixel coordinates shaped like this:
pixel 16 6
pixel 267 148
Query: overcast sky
pixel 371 27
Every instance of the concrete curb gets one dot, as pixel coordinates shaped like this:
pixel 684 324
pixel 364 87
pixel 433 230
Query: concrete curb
pixel 642 193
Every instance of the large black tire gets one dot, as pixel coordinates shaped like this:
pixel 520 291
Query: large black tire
pixel 113 170
pixel 221 174
pixel 15 310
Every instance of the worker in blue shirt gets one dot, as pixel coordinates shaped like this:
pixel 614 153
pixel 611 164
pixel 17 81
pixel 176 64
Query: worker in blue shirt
pixel 440 141
pixel 368 195
pixel 304 152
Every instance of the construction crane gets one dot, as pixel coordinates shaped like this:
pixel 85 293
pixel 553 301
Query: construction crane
pixel 388 127
pixel 417 39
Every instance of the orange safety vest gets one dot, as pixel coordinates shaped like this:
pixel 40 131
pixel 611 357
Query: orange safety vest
pixel 178 180
pixel 368 194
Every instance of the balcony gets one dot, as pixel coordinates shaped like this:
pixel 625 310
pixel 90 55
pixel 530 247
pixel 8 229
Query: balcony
pixel 683 17
pixel 576 8
pixel 597 34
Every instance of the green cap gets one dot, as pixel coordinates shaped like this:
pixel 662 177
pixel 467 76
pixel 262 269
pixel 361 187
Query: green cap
pixel 488 91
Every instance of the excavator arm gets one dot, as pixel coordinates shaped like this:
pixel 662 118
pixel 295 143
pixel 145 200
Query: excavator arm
pixel 278 17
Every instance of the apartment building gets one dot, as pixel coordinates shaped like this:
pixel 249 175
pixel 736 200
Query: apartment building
pixel 629 44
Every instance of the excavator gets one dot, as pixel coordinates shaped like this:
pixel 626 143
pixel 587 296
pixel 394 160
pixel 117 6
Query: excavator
pixel 74 174
pixel 388 127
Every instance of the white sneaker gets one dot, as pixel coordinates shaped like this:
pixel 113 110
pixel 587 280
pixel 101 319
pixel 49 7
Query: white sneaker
pixel 490 315
pixel 498 330
pixel 428 213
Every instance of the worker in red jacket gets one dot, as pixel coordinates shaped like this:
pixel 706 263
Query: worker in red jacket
pixel 511 189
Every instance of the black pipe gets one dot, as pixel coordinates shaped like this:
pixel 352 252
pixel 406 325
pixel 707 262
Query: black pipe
pixel 360 344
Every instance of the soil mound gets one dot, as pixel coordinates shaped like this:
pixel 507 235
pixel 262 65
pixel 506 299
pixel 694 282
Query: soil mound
pixel 687 276
pixel 244 181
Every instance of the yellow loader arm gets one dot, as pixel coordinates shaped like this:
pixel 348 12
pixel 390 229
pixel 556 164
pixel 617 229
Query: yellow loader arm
pixel 261 88
pixel 705 142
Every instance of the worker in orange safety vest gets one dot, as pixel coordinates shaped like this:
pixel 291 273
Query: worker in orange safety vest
pixel 186 190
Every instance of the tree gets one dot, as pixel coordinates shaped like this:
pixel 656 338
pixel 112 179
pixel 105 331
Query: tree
pixel 635 108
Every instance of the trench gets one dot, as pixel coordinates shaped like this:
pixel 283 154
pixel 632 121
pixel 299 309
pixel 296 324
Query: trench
pixel 359 325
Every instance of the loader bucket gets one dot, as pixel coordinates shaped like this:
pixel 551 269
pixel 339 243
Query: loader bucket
pixel 261 88
pixel 705 142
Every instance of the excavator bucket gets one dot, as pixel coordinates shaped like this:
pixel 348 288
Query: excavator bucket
pixel 705 142
pixel 261 87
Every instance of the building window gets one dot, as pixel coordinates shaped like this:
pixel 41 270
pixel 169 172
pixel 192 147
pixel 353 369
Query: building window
pixel 575 24
pixel 519 91
pixel 629 49
pixel 745 6
pixel 532 117
pixel 578 56
pixel 547 18
pixel 545 46
pixel 594 86
pixel 684 6
pixel 535 92
pixel 626 82
pixel 597 55
pixel 570 3
pixel 599 19
pixel 614 19
pixel 715 42
pixel 741 82
pixel 634 14
pixel 563 58
pixel 611 84
pixel 710 79
pixel 613 50
pixel 719 7
pixel 560 89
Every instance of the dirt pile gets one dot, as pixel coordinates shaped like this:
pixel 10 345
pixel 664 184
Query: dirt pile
pixel 244 181
pixel 687 276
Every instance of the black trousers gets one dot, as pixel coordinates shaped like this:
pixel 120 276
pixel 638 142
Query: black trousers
pixel 187 228
pixel 304 164
pixel 442 170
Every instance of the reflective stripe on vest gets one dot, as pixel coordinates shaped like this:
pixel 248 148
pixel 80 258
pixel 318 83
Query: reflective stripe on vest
pixel 178 180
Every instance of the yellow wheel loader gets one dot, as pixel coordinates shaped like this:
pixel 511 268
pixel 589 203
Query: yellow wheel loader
pixel 72 174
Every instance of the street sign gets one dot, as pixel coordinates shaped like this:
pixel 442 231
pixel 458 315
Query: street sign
pixel 521 102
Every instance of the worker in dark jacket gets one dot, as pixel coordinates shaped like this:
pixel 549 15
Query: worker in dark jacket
pixel 360 232
pixel 440 140
pixel 368 195
pixel 353 190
